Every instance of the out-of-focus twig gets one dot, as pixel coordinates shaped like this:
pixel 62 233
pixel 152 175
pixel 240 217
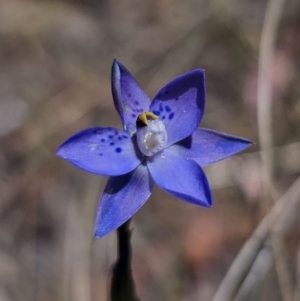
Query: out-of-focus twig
pixel 245 259
pixel 255 279
pixel 265 129
pixel 264 93
pixel 297 290
pixel 252 284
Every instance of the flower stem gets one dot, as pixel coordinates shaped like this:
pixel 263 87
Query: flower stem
pixel 122 285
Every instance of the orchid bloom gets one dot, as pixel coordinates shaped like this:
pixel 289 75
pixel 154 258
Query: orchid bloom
pixel 160 144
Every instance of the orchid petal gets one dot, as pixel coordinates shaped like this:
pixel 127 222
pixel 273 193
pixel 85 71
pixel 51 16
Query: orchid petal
pixel 180 104
pixel 122 198
pixel 129 98
pixel 207 146
pixel 181 177
pixel 103 151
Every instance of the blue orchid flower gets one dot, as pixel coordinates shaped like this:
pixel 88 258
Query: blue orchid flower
pixel 161 144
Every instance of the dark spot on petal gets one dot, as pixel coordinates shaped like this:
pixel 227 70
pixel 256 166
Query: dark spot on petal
pixel 140 110
pixel 124 136
pixel 171 116
pixel 168 109
pixel 120 138
pixel 129 95
pixel 100 154
pixel 112 143
pixel 167 92
pixel 110 136
pixel 133 115
pixel 136 102
pixel 102 140
pixel 164 117
pixel 118 149
pixel 161 107
pixel 156 113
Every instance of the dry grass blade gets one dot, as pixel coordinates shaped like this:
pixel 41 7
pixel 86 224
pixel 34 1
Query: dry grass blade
pixel 256 277
pixel 264 94
pixel 244 261
pixel 251 286
pixel 265 128
pixel 297 290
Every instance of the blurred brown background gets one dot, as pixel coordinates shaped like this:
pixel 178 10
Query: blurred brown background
pixel 55 61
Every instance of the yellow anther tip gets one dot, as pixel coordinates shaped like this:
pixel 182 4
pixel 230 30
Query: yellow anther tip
pixel 145 115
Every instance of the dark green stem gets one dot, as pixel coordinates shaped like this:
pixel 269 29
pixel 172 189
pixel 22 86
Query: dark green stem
pixel 122 285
